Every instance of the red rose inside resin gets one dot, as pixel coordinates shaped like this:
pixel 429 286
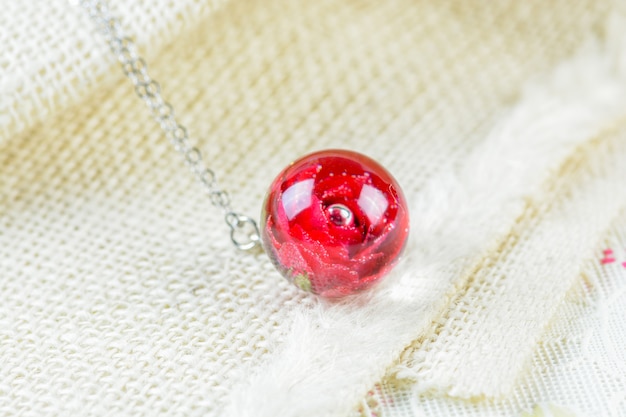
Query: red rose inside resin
pixel 334 222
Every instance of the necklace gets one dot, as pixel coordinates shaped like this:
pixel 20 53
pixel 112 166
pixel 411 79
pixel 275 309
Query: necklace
pixel 333 222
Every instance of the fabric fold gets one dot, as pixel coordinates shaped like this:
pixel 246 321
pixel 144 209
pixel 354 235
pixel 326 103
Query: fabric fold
pixel 481 344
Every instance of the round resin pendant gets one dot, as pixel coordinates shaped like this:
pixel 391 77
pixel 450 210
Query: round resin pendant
pixel 334 222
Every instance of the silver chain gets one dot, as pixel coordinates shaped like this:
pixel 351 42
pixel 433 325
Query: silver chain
pixel 244 231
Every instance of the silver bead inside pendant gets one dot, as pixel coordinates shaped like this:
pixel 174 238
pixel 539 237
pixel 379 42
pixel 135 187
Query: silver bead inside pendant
pixel 340 215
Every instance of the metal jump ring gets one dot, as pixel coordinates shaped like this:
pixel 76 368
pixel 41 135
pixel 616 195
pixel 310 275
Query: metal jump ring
pixel 237 222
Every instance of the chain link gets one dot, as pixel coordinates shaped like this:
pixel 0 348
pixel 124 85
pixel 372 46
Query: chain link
pixel 244 231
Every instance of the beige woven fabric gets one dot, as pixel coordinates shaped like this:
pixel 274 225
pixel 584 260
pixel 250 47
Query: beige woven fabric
pixel 475 348
pixel 514 289
pixel 51 58
pixel 120 292
pixel 578 369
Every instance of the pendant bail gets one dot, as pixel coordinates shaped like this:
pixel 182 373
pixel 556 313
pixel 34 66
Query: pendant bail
pixel 244 231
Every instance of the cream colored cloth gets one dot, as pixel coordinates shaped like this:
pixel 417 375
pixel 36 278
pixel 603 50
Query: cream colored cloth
pixel 120 291
pixel 578 368
pixel 496 320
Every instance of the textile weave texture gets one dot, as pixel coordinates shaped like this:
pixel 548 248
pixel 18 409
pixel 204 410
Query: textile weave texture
pixel 504 122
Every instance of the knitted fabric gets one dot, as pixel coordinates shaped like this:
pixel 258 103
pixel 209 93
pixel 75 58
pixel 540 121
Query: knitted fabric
pixel 120 291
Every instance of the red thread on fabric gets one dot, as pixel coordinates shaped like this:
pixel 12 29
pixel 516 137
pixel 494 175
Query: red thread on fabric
pixel 608 259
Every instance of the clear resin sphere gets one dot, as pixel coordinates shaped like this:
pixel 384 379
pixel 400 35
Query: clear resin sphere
pixel 334 222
